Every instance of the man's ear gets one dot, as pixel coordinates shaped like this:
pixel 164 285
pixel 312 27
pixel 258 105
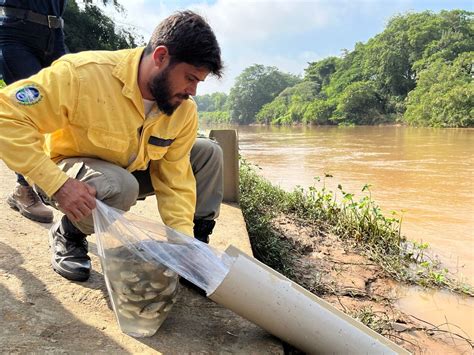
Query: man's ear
pixel 159 55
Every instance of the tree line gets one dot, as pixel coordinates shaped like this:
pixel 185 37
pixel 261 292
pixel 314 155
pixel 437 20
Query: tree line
pixel 418 71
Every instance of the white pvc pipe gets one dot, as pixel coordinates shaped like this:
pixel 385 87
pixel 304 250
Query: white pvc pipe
pixel 293 314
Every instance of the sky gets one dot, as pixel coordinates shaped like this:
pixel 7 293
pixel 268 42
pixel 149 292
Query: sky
pixel 286 34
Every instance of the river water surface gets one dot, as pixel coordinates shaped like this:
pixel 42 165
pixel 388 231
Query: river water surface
pixel 425 173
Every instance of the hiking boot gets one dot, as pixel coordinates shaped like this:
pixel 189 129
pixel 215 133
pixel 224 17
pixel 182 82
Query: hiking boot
pixel 203 229
pixel 25 200
pixel 69 252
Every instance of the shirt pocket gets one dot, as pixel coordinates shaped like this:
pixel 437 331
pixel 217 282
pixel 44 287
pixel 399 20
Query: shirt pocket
pixel 108 140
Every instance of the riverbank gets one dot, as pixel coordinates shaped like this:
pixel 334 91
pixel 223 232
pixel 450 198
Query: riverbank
pixel 423 174
pixel 302 235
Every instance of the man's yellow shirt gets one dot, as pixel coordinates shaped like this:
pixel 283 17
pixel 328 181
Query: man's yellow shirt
pixel 89 105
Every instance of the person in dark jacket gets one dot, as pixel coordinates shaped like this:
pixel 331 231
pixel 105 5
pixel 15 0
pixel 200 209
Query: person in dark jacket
pixel 31 38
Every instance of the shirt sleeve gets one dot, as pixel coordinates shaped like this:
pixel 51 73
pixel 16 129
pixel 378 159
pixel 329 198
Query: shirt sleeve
pixel 29 109
pixel 173 179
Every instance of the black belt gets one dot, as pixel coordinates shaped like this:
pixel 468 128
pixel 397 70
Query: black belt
pixel 28 15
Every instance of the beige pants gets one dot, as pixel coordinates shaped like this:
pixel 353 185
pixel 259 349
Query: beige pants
pixel 119 188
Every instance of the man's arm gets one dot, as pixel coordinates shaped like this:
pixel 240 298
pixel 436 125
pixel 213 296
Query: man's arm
pixel 29 109
pixel 173 179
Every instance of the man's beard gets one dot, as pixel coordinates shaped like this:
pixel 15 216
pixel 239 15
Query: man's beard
pixel 159 87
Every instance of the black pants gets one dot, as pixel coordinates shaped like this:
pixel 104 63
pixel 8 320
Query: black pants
pixel 26 48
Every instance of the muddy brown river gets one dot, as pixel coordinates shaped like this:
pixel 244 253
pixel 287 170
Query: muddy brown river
pixel 425 174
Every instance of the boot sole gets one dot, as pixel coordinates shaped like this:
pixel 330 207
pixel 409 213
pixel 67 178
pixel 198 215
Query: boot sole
pixel 14 205
pixel 64 273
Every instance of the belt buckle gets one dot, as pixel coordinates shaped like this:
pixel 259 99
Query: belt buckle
pixel 55 22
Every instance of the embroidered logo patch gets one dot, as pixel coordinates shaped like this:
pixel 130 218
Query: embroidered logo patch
pixel 28 95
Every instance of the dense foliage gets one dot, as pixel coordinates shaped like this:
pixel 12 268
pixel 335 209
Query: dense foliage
pixel 212 102
pixel 418 71
pixel 213 108
pixel 88 28
pixel 444 95
pixel 253 88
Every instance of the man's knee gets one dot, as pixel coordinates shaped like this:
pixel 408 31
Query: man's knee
pixel 206 152
pixel 207 162
pixel 115 186
pixel 215 152
pixel 121 190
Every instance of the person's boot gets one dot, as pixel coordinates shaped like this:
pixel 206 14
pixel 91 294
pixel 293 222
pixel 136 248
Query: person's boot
pixel 203 229
pixel 69 251
pixel 25 200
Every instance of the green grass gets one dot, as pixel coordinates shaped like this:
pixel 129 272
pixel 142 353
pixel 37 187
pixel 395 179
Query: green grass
pixel 358 222
pixel 257 196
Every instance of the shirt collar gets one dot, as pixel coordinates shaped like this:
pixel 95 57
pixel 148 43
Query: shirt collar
pixel 126 71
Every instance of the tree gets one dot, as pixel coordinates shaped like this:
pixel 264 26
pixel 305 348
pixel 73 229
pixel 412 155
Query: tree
pixel 420 55
pixel 254 87
pixel 273 112
pixel 319 112
pixel 456 36
pixel 204 103
pixel 370 84
pixel 115 3
pixel 349 70
pixel 290 105
pixel 444 95
pixel 410 42
pixel 90 28
pixel 320 72
pixel 358 104
pixel 217 101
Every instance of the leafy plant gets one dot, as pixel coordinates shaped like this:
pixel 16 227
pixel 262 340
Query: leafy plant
pixel 358 221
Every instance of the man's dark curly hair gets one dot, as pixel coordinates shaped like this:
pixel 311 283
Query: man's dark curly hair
pixel 189 39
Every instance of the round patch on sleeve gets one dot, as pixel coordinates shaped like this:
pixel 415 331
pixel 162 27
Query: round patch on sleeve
pixel 28 95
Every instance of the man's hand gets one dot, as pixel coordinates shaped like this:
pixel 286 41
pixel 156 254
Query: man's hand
pixel 76 199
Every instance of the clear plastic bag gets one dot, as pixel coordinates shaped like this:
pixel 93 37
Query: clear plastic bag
pixel 141 260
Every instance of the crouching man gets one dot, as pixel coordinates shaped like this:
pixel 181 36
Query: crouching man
pixel 118 126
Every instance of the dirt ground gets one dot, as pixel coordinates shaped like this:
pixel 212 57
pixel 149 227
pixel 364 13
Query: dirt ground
pixel 350 282
pixel 42 312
